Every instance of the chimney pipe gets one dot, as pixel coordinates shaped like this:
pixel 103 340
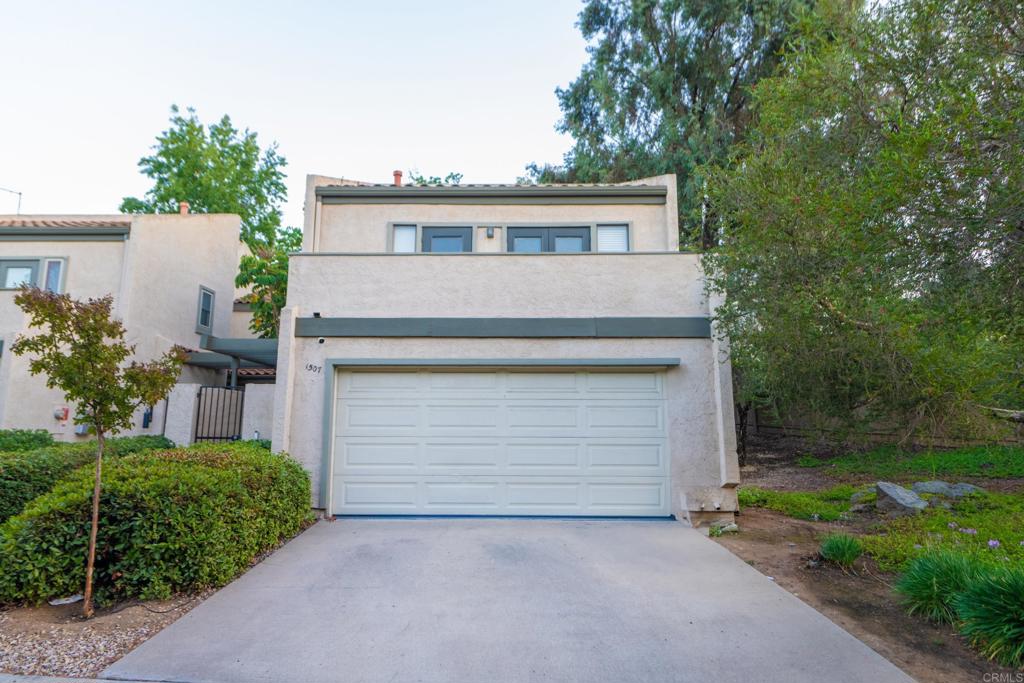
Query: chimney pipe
pixel 183 208
pixel 398 178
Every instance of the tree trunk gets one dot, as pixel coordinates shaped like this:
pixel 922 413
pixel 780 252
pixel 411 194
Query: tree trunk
pixel 742 413
pixel 87 609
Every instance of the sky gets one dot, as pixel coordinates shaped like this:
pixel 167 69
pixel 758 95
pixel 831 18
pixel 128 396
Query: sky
pixel 346 89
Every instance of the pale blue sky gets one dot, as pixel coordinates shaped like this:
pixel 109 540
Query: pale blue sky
pixel 355 89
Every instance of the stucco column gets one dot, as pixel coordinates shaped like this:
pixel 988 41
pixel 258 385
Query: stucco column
pixel 725 416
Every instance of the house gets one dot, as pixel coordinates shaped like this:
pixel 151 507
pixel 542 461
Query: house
pixel 172 279
pixel 502 350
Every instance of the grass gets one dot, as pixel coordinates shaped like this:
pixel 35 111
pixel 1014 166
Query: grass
pixel 968 528
pixel 842 549
pixel 827 506
pixel 930 585
pixel 889 462
pixel 991 613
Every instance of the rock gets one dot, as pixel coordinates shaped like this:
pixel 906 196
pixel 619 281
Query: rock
pixel 721 526
pixel 861 508
pixel 960 490
pixel 941 488
pixel 936 488
pixel 939 503
pixel 897 500
pixel 858 496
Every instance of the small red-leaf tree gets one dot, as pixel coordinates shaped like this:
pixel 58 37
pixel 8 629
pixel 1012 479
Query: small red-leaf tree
pixel 82 351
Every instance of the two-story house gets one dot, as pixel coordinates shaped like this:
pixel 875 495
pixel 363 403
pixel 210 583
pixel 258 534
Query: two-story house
pixel 503 350
pixel 171 276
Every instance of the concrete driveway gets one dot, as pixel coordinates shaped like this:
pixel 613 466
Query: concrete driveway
pixel 498 600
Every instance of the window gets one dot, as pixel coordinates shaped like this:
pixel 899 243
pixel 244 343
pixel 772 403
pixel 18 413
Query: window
pixel 447 240
pixel 204 316
pixel 15 273
pixel 53 274
pixel 613 238
pixel 404 239
pixel 559 240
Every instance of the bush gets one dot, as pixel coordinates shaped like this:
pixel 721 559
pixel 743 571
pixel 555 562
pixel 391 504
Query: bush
pixel 24 439
pixel 842 549
pixel 991 611
pixel 170 521
pixel 25 475
pixel 933 581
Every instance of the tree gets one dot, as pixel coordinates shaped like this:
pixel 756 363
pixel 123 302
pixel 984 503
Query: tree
pixel 216 169
pixel 666 91
pixel 82 352
pixel 873 249
pixel 265 273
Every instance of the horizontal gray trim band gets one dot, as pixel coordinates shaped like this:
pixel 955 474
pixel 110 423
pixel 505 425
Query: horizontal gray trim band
pixel 217 361
pixel 681 327
pixel 504 362
pixel 63 234
pixel 464 194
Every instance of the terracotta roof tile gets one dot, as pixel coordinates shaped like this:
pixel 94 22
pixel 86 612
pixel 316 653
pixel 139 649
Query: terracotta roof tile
pixel 70 222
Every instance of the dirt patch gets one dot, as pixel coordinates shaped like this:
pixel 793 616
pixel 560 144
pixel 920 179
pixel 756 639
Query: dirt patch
pixel 56 641
pixel 860 601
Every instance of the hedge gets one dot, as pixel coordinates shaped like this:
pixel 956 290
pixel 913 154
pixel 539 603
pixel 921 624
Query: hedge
pixel 170 521
pixel 27 474
pixel 24 439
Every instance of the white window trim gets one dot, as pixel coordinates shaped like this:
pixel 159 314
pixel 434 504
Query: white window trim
pixel 200 328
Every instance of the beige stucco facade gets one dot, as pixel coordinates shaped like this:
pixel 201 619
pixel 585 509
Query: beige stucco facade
pixel 346 273
pixel 152 265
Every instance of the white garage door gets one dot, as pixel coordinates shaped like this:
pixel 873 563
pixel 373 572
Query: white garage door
pixel 500 443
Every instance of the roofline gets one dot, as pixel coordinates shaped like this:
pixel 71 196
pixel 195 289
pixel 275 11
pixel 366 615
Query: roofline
pixel 111 234
pixel 473 194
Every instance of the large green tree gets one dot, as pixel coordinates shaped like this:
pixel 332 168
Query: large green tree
pixel 264 273
pixel 216 169
pixel 666 91
pixel 873 250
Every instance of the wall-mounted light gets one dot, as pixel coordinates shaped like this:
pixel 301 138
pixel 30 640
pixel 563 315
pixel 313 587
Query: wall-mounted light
pixel 490 232
pixel 316 314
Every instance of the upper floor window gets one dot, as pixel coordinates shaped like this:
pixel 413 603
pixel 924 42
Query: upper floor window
pixel 558 240
pixel 447 239
pixel 403 239
pixel 204 314
pixel 47 273
pixel 613 238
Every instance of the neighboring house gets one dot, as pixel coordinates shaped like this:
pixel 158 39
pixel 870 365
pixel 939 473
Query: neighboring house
pixel 502 350
pixel 171 276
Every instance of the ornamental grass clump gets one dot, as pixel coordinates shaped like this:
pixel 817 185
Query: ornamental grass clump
pixel 932 582
pixel 991 613
pixel 841 549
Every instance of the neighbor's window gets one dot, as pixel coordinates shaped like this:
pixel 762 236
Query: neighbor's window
pixel 612 238
pixel 447 239
pixel 53 274
pixel 404 239
pixel 559 240
pixel 17 272
pixel 204 317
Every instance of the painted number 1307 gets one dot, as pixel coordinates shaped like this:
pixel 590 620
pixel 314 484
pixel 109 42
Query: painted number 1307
pixel 316 369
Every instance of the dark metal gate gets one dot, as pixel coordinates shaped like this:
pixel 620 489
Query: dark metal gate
pixel 219 414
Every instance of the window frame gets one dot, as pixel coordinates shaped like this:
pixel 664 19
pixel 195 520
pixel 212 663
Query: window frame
pixel 45 264
pixel 14 262
pixel 465 232
pixel 505 230
pixel 392 226
pixel 629 236
pixel 200 328
pixel 548 235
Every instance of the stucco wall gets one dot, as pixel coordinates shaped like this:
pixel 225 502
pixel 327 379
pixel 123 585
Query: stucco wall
pixel 154 277
pixel 498 285
pixel 258 411
pixel 693 412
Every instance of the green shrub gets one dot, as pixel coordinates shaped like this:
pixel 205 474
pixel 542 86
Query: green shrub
pixel 827 505
pixel 27 474
pixel 967 528
pixel 842 549
pixel 991 612
pixel 808 461
pixel 24 439
pixel 170 521
pixel 933 581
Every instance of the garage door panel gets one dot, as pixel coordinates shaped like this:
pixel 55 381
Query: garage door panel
pixel 456 456
pixel 541 443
